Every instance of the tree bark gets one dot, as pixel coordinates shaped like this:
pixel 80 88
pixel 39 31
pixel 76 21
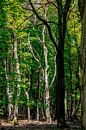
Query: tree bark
pixel 9 93
pixel 17 87
pixel 60 109
pixel 70 83
pixel 38 95
pixel 82 9
pixel 47 96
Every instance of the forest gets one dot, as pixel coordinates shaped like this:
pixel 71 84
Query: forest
pixel 43 63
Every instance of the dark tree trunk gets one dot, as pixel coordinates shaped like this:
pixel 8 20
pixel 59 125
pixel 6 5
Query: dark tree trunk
pixel 82 9
pixel 77 88
pixel 60 112
pixel 70 83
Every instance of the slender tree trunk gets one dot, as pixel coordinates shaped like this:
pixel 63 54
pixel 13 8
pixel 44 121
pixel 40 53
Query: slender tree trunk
pixel 66 105
pixel 28 108
pixel 28 101
pixel 17 88
pixel 27 92
pixel 47 97
pixel 38 95
pixel 9 93
pixel 82 9
pixel 77 88
pixel 70 83
pixel 7 75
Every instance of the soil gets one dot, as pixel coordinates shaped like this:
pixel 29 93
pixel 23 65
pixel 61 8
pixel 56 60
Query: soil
pixel 34 125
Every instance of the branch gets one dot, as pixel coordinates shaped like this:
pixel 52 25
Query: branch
pixel 54 73
pixel 32 50
pixel 27 18
pixel 52 22
pixel 46 24
pixel 66 7
pixel 51 2
pixel 24 21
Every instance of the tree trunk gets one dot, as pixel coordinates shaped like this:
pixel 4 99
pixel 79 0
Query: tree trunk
pixel 60 112
pixel 77 89
pixel 47 97
pixel 83 55
pixel 9 93
pixel 66 105
pixel 62 16
pixel 70 83
pixel 38 94
pixel 17 87
pixel 28 108
pixel 82 9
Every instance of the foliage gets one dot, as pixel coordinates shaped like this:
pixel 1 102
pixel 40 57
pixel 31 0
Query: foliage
pixel 16 16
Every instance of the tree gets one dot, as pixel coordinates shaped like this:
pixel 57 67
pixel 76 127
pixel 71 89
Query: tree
pixel 82 9
pixel 62 11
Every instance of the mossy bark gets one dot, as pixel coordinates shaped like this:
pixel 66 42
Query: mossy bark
pixel 83 64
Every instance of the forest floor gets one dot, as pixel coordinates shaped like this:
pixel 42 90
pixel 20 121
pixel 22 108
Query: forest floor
pixel 34 125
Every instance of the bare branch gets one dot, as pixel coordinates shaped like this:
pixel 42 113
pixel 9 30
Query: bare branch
pixel 46 24
pixel 31 49
pixel 51 2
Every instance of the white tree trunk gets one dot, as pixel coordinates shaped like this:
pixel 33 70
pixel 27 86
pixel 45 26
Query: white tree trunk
pixel 9 93
pixel 17 61
pixel 28 109
pixel 47 97
pixel 37 113
pixel 15 114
